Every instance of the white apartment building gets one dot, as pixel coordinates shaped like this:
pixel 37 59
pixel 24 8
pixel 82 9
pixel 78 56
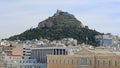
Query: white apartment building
pixel 16 61
pixel 27 51
pixel 107 39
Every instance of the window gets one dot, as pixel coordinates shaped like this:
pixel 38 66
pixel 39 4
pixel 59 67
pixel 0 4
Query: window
pixel 64 61
pixel 98 62
pixel 9 57
pixel 20 66
pixel 35 66
pixel 60 61
pixel 109 63
pixel 90 62
pixel 103 62
pixel 72 61
pixel 77 61
pixel 115 63
pixel 53 61
pixel 83 61
pixel 68 62
pixel 26 61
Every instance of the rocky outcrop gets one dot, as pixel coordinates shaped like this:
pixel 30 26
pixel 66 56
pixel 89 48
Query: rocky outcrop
pixel 61 19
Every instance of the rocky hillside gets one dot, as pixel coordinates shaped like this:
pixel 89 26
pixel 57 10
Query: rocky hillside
pixel 60 25
pixel 61 19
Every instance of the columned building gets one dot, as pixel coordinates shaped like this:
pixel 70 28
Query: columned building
pixel 40 53
pixel 85 58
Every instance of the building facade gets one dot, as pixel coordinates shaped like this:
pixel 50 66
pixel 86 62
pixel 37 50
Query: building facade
pixel 97 58
pixel 40 53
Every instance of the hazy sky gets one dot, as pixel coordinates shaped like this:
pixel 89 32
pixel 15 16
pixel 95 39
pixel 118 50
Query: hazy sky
pixel 16 16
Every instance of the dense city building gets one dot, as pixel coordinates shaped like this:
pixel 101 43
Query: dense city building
pixel 107 40
pixel 65 53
